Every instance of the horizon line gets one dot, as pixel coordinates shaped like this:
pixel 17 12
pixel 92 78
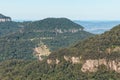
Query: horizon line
pixel 64 17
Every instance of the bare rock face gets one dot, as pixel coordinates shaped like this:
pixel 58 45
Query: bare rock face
pixel 57 61
pixel 50 61
pixel 41 51
pixel 116 49
pixel 73 60
pixel 92 65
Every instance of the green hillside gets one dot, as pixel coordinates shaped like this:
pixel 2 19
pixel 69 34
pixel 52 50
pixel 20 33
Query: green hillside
pixel 53 23
pixel 35 70
pixel 9 28
pixel 92 48
pixel 54 32
pixel 106 45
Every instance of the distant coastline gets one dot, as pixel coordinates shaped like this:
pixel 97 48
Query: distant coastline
pixel 92 26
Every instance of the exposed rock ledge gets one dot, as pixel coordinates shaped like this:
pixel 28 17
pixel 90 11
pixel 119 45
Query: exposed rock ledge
pixel 73 60
pixel 92 65
pixel 50 61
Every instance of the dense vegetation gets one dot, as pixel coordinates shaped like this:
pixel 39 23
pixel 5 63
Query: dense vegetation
pixel 106 45
pixel 53 23
pixel 54 32
pixel 19 64
pixel 35 70
pixel 9 28
pixel 102 46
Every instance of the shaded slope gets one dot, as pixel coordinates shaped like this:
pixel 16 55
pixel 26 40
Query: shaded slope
pixel 9 28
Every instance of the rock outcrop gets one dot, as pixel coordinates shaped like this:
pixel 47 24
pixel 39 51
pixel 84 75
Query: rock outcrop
pixel 92 65
pixel 73 60
pixel 50 61
pixel 41 51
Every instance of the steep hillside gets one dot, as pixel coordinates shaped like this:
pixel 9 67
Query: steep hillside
pixel 96 58
pixel 92 53
pixel 99 46
pixel 55 33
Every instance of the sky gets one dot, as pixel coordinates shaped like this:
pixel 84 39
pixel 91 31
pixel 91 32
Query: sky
pixel 72 9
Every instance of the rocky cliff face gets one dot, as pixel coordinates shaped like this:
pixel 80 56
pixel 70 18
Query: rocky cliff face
pixel 73 60
pixel 92 65
pixel 50 61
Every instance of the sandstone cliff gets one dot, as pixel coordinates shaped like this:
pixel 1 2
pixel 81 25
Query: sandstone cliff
pixel 90 65
pixel 93 65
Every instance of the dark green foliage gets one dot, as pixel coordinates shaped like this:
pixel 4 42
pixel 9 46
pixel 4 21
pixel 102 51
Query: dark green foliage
pixel 9 28
pixel 50 31
pixel 96 47
pixel 53 23
pixel 35 70
pixel 17 46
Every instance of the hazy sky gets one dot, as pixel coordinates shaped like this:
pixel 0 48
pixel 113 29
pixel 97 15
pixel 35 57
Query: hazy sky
pixel 73 9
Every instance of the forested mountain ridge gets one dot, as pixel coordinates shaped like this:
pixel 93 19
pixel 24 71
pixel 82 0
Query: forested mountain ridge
pixel 54 23
pixel 55 33
pixel 72 63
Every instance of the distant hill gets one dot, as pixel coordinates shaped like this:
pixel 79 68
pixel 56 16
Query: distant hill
pixel 55 33
pixel 55 23
pixel 7 26
pixel 4 18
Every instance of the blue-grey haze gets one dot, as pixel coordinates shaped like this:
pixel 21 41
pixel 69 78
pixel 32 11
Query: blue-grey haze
pixel 98 27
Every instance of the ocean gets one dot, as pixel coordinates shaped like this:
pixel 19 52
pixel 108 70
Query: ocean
pixel 97 27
